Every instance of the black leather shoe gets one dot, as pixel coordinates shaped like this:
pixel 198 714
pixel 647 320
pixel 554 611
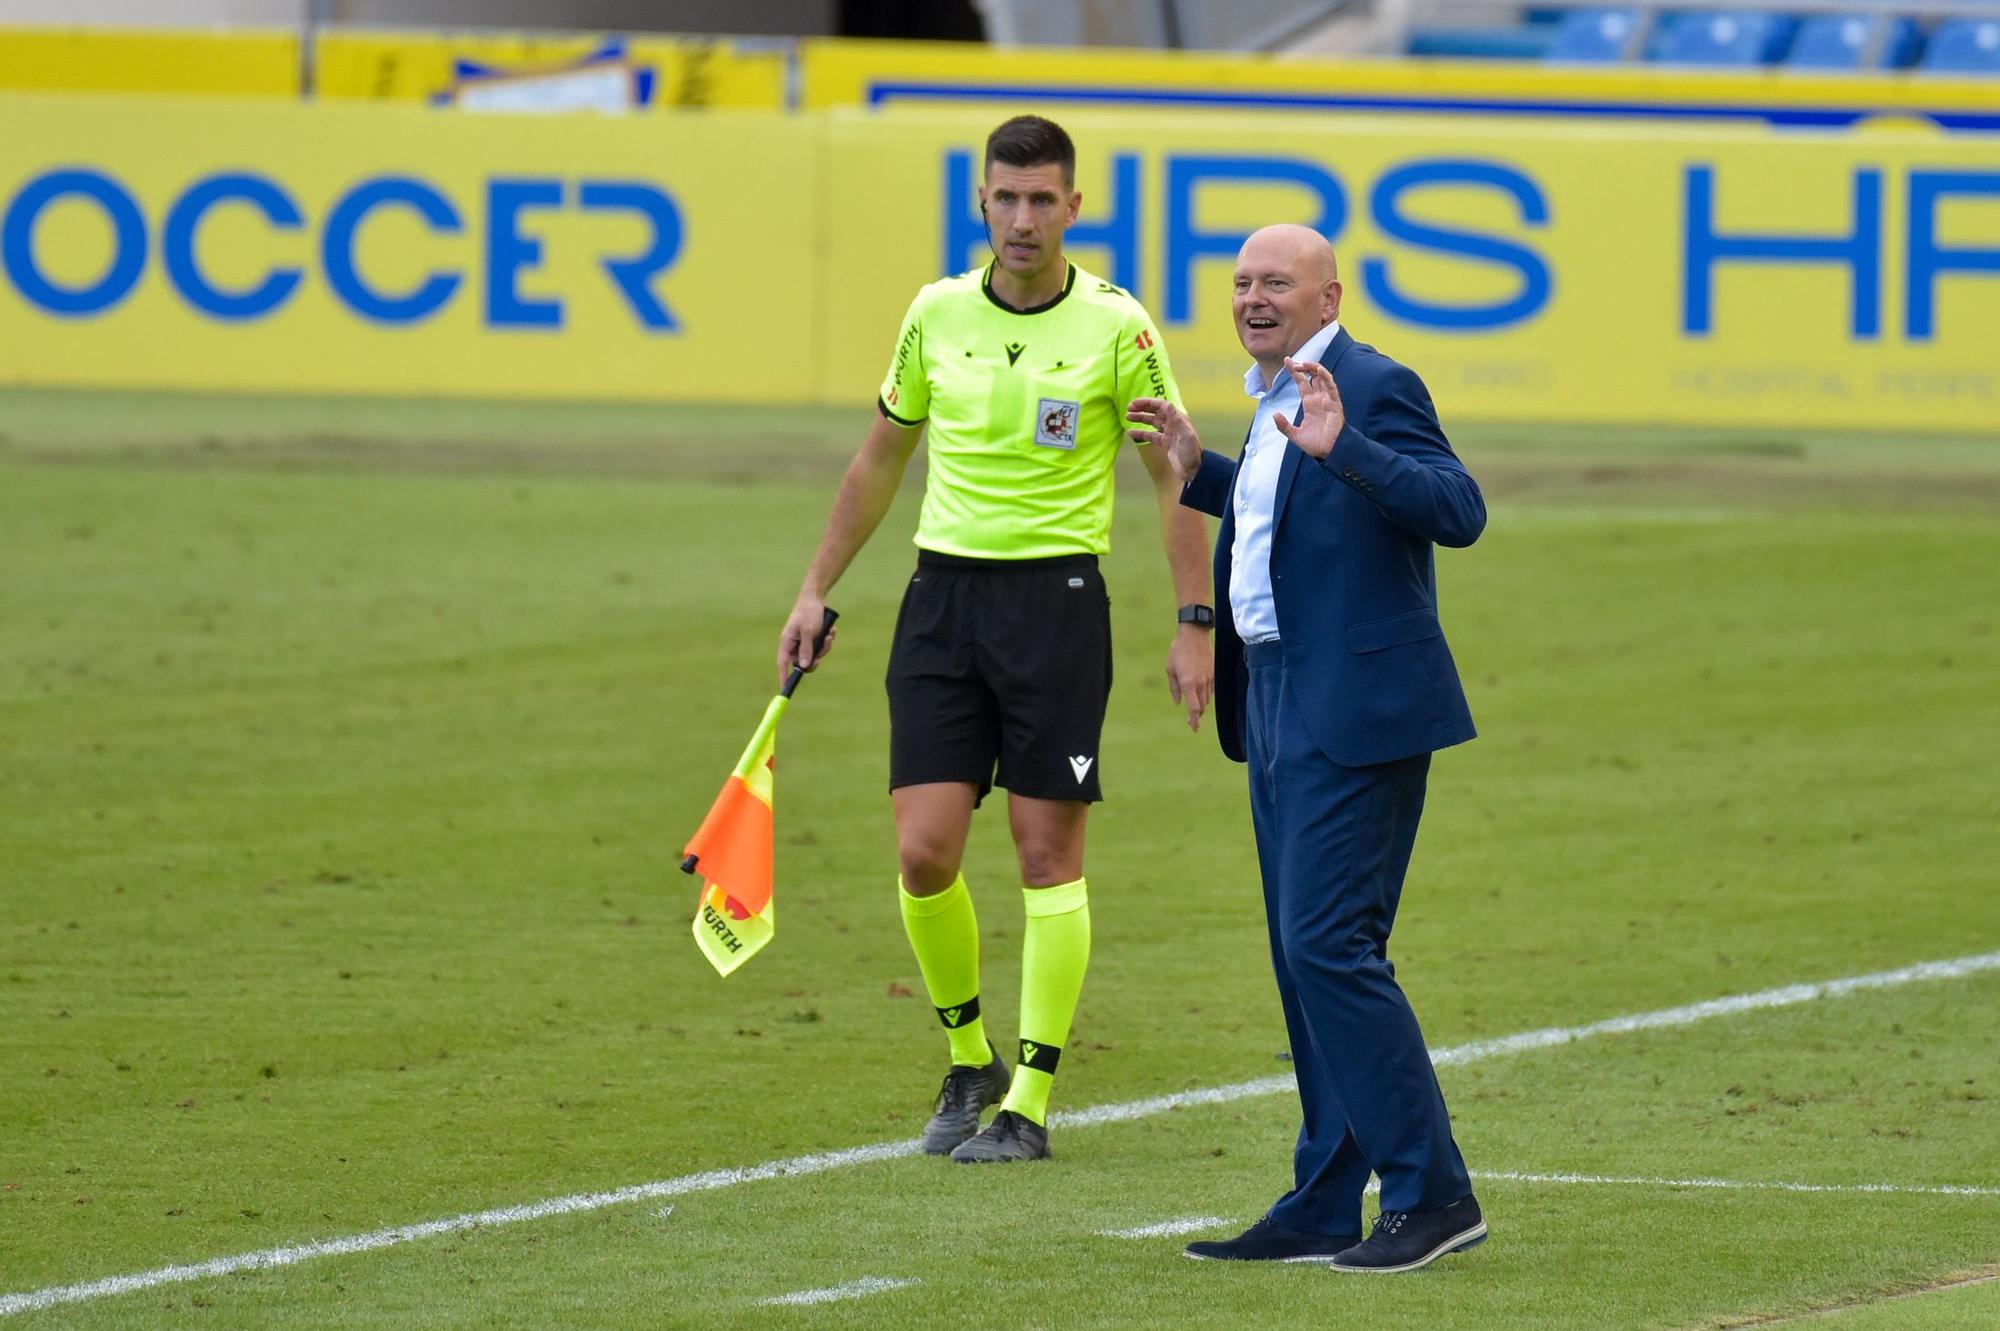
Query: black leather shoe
pixel 1269 1241
pixel 1009 1137
pixel 965 1092
pixel 1407 1240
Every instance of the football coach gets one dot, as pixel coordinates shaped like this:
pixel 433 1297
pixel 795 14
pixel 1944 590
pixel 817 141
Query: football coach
pixel 1333 681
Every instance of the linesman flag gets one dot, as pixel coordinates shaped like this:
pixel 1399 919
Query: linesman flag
pixel 732 851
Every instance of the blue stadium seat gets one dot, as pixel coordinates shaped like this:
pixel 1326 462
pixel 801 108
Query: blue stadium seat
pixel 1964 46
pixel 1905 44
pixel 1741 37
pixel 1829 41
pixel 1593 36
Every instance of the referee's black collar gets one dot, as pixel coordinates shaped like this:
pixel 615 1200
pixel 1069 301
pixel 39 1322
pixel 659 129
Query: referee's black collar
pixel 1069 280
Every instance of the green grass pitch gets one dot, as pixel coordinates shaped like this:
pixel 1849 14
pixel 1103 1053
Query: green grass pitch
pixel 347 750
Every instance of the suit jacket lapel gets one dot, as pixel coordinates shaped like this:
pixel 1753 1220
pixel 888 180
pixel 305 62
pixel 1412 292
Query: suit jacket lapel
pixel 1288 470
pixel 1337 348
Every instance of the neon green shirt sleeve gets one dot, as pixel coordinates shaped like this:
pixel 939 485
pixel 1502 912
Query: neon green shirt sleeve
pixel 906 392
pixel 1143 368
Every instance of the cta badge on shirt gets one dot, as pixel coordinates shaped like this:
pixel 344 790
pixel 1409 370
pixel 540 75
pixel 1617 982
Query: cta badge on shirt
pixel 1055 423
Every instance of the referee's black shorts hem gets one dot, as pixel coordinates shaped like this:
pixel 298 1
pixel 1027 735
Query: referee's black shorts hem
pixel 999 675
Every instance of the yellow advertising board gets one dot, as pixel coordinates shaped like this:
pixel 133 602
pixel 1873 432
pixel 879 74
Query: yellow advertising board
pixel 667 72
pixel 1615 274
pixel 154 60
pixel 404 250
pixel 1066 81
pixel 1609 273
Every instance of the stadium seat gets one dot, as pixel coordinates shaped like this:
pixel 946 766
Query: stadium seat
pixel 1593 35
pixel 1742 37
pixel 1828 41
pixel 1964 46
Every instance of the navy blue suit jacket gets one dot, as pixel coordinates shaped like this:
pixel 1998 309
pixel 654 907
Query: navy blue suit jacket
pixel 1352 574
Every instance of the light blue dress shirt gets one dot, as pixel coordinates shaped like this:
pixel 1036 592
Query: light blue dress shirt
pixel 1250 603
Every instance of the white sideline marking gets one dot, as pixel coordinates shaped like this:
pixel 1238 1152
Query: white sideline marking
pixel 1787 996
pixel 505 1215
pixel 1748 1185
pixel 1815 1314
pixel 1166 1228
pixel 853 1289
pixel 710 1180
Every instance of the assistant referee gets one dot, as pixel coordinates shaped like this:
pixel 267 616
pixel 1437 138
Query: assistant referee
pixel 1021 372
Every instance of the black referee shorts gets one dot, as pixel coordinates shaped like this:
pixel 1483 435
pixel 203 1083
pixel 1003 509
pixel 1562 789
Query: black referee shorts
pixel 1001 664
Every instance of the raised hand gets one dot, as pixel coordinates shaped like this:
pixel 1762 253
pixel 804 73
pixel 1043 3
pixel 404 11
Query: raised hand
pixel 1170 430
pixel 1323 415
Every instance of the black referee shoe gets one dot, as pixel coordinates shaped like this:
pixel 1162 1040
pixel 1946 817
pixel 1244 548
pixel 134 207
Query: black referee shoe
pixel 1269 1241
pixel 1009 1137
pixel 1407 1240
pixel 965 1092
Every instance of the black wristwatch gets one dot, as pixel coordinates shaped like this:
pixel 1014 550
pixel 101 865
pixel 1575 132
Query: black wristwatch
pixel 1201 616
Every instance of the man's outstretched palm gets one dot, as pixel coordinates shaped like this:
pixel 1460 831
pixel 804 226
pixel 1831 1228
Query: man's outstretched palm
pixel 1321 412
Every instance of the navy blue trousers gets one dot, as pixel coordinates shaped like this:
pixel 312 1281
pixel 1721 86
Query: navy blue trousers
pixel 1333 843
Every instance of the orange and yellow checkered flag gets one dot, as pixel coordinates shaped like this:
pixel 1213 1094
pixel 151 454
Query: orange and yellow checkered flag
pixel 732 850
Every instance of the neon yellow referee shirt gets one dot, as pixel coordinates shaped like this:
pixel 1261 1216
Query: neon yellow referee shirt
pixel 1026 411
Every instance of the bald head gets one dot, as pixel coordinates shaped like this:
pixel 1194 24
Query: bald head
pixel 1288 241
pixel 1287 289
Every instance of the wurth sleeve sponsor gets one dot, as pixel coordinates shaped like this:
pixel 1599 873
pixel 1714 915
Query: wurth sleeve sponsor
pixel 906 392
pixel 1143 369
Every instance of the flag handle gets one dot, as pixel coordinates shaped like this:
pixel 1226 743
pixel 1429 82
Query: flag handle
pixel 689 864
pixel 819 643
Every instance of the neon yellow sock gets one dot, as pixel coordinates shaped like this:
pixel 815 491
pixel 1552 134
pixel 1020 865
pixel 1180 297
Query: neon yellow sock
pixel 1055 951
pixel 944 933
